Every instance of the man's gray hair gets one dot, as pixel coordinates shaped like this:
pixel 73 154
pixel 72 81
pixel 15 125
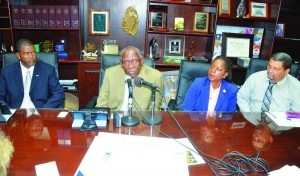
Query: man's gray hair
pixel 133 48
pixel 283 57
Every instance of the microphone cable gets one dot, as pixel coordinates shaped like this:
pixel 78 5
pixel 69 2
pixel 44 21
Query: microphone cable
pixel 233 163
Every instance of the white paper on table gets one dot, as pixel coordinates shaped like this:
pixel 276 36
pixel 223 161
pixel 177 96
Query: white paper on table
pixel 286 170
pixel 47 169
pixel 192 150
pixel 116 154
pixel 281 119
pixel 62 114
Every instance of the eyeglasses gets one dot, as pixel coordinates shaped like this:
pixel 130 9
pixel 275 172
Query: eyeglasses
pixel 29 53
pixel 132 62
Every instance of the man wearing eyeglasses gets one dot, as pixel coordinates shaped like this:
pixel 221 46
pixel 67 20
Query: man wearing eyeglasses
pixel 114 90
pixel 30 83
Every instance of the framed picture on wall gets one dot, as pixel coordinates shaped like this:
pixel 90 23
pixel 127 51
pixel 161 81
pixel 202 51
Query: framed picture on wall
pixel 174 48
pixel 258 10
pixel 205 1
pixel 280 30
pixel 157 19
pixel 237 45
pixel 201 22
pixel 224 7
pixel 99 22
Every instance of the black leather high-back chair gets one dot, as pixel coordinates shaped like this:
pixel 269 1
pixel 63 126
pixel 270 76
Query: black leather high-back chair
pixel 188 72
pixel 256 65
pixel 107 61
pixel 47 57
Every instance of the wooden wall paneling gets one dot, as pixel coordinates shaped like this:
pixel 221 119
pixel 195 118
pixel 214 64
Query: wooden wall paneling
pixel 204 41
pixel 289 15
pixel 88 81
pixel 67 70
pixel 117 12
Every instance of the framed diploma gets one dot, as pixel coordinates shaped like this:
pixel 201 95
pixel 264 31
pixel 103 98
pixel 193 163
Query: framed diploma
pixel 201 22
pixel 99 23
pixel 237 45
pixel 258 10
pixel 224 7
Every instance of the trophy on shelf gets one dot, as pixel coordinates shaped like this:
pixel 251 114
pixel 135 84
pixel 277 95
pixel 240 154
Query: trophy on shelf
pixel 153 49
pixel 47 45
pixel 60 49
pixel 241 10
pixel 189 52
pixel 3 48
pixel 89 53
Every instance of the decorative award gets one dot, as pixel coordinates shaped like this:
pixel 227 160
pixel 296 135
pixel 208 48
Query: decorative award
pixel 241 10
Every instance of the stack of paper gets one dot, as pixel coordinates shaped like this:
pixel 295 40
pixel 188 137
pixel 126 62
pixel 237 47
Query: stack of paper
pixel 286 170
pixel 116 154
pixel 282 120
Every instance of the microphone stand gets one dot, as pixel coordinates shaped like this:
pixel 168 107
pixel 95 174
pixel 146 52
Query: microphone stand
pixel 130 120
pixel 152 119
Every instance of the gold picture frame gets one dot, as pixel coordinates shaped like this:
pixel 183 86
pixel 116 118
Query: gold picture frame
pixel 201 22
pixel 99 22
pixel 224 7
pixel 258 9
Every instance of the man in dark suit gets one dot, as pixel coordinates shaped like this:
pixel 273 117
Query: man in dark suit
pixel 43 86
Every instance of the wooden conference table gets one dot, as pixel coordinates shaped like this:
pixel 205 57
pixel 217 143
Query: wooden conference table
pixel 45 138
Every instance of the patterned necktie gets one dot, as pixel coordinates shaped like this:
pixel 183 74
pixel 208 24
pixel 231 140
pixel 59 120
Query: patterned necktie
pixel 268 97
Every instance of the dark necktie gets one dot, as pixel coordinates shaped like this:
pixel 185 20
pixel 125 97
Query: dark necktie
pixel 268 97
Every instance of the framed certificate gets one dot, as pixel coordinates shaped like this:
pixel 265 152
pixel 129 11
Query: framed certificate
pixel 201 22
pixel 224 7
pixel 258 10
pixel 237 45
pixel 99 23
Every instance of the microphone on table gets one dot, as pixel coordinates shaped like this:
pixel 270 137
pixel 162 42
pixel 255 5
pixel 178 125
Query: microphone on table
pixel 140 81
pixel 150 119
pixel 130 86
pixel 130 120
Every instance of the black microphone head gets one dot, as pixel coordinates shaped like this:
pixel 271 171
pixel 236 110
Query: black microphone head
pixel 129 82
pixel 138 81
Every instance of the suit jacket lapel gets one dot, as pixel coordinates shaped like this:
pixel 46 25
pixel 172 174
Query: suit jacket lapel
pixel 221 96
pixel 18 78
pixel 140 91
pixel 205 93
pixel 35 75
pixel 120 82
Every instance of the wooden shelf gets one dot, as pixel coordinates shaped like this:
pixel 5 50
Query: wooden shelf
pixel 46 29
pixel 157 2
pixel 181 33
